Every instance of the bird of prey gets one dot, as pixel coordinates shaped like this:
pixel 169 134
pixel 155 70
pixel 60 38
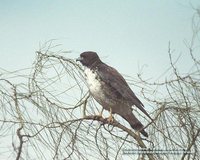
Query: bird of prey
pixel 110 89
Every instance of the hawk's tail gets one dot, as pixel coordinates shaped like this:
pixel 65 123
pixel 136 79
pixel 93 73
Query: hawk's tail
pixel 135 123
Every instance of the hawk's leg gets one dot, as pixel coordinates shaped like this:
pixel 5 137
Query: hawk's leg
pixel 100 114
pixel 110 118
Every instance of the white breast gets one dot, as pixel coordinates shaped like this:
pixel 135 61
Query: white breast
pixel 93 83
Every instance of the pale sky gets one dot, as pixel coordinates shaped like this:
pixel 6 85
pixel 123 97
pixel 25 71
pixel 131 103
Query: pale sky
pixel 127 34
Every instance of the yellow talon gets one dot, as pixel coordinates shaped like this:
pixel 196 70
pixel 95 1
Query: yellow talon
pixel 100 114
pixel 110 118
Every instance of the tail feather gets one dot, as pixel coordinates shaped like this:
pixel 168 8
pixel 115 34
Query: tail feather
pixel 141 107
pixel 135 123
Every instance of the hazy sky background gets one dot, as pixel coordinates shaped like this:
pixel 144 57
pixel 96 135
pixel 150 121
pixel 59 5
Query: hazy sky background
pixel 127 34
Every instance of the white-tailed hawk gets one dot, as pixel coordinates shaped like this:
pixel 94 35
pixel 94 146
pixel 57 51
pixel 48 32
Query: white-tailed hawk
pixel 110 89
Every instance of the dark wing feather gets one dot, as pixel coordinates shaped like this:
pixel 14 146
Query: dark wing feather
pixel 114 79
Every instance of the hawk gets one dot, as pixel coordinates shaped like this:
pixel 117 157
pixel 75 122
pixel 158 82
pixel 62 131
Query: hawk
pixel 109 89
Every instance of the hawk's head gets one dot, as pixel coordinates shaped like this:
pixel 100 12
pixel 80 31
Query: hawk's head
pixel 88 58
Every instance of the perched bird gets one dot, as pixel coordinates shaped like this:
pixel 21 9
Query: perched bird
pixel 110 89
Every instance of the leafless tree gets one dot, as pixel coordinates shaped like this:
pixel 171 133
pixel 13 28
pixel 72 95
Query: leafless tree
pixel 47 112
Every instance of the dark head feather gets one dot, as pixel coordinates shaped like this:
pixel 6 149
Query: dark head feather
pixel 89 59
